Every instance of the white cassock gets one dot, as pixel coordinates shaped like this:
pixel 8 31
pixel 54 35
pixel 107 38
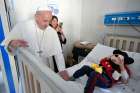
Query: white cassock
pixel 46 41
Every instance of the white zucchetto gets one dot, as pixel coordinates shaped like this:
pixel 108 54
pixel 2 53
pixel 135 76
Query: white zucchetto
pixel 44 8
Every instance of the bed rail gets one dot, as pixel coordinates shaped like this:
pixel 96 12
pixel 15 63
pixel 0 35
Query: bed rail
pixel 38 78
pixel 127 43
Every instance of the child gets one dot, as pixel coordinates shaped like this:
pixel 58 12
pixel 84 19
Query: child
pixel 110 70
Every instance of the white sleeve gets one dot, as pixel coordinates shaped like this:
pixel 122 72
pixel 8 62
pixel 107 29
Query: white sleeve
pixel 124 75
pixel 60 61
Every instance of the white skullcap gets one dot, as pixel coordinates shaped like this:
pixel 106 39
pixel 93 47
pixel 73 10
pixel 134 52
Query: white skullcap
pixel 44 8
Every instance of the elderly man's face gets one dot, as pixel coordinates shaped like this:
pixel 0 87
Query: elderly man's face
pixel 43 19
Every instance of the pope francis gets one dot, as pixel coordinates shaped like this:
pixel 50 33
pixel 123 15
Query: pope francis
pixel 39 37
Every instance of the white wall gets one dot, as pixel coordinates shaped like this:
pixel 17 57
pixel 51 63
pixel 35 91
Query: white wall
pixel 70 15
pixel 93 12
pixel 25 9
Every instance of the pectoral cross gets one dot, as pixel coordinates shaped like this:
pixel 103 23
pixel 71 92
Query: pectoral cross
pixel 40 52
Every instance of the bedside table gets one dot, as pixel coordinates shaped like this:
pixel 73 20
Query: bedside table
pixel 81 50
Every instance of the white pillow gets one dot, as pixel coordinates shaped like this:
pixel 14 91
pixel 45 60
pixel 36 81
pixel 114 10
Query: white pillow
pixel 98 52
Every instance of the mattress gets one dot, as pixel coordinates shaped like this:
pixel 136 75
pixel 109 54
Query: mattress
pixel 93 57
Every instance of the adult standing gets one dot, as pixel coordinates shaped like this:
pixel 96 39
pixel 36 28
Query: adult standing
pixel 38 36
pixel 58 27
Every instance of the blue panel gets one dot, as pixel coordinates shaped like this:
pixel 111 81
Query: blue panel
pixel 124 18
pixel 8 70
pixel 1 32
pixel 6 62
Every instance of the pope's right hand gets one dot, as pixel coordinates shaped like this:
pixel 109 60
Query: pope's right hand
pixel 18 43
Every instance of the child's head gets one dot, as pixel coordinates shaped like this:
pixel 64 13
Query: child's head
pixel 119 55
pixel 117 58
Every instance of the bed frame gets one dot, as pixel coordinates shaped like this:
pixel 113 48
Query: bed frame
pixel 35 79
pixel 127 43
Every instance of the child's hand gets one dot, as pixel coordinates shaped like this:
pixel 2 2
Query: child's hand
pixel 121 61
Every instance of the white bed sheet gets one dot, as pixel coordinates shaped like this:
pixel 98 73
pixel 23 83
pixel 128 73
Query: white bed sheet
pixel 132 87
pixel 101 51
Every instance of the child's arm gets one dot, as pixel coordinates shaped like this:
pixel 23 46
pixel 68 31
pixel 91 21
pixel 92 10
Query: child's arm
pixel 124 75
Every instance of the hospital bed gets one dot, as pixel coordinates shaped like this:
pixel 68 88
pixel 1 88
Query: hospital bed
pixel 37 78
pixel 118 42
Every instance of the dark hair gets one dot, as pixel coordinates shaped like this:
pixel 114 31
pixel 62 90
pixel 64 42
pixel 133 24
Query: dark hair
pixel 127 59
pixel 54 17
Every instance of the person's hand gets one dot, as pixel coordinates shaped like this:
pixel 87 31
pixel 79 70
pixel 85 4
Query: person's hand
pixel 18 43
pixel 121 61
pixel 59 29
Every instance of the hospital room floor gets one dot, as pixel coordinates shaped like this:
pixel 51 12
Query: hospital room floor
pixel 2 87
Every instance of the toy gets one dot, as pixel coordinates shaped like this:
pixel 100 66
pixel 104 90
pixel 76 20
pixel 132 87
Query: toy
pixel 109 71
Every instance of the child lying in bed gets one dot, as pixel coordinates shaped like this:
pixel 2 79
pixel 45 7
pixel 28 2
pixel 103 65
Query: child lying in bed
pixel 110 70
